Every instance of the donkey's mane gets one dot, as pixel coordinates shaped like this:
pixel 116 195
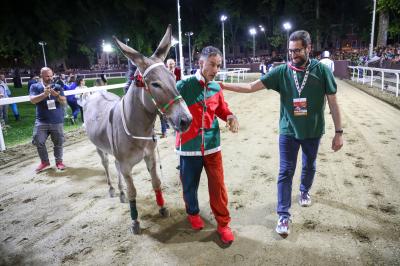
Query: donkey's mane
pixel 109 96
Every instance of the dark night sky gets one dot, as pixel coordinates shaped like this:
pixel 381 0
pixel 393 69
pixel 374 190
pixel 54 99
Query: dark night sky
pixel 76 28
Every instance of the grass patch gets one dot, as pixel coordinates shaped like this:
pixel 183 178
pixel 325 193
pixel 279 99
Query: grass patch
pixel 20 132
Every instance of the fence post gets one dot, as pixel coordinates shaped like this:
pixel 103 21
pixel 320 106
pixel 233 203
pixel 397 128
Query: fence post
pixel 2 144
pixel 383 79
pixel 364 73
pixel 372 75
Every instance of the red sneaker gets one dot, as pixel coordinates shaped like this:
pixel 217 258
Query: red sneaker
pixel 196 222
pixel 42 166
pixel 226 234
pixel 60 165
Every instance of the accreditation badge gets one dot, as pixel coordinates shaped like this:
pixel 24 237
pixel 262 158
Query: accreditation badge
pixel 300 106
pixel 51 104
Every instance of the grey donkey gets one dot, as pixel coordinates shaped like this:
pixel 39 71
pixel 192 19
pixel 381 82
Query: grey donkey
pixel 124 127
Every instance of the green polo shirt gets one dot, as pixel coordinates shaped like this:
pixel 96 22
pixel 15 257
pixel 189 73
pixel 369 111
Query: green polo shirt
pixel 320 82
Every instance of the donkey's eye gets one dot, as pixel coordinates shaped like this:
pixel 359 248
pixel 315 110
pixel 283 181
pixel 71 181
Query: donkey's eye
pixel 156 84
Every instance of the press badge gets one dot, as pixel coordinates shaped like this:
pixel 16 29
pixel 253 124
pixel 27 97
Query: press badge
pixel 300 106
pixel 51 104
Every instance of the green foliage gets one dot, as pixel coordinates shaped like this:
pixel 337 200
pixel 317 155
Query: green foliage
pixel 76 28
pixel 389 5
pixel 277 41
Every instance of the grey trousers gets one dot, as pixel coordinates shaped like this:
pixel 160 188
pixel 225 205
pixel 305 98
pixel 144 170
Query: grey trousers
pixel 41 132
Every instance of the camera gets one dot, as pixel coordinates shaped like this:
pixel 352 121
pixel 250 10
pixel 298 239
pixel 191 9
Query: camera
pixel 58 81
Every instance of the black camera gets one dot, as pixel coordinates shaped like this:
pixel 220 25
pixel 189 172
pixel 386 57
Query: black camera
pixel 59 82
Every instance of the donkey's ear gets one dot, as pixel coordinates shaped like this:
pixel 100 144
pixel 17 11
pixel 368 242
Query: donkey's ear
pixel 165 44
pixel 135 56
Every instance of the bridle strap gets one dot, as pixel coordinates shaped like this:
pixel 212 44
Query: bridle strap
pixel 151 67
pixel 164 108
pixel 154 138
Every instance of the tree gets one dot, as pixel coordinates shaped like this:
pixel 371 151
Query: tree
pixel 385 8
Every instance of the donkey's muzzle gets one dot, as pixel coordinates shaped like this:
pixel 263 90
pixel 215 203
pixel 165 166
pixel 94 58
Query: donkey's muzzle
pixel 184 123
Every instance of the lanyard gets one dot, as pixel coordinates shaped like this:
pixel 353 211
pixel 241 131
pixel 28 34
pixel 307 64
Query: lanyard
pixel 296 81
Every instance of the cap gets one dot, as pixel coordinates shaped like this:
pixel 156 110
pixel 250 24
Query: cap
pixel 325 54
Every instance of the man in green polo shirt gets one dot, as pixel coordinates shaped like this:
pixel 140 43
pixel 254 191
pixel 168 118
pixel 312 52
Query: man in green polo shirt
pixel 303 85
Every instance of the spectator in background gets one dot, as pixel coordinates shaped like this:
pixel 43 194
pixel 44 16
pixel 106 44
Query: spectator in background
pixel 103 79
pixel 130 75
pixel 33 78
pixel 3 108
pixel 171 65
pixel 17 79
pixel 14 107
pixel 81 97
pixel 71 100
pixel 263 68
pixel 49 100
pixel 327 61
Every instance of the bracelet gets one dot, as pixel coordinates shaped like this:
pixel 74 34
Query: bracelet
pixel 339 131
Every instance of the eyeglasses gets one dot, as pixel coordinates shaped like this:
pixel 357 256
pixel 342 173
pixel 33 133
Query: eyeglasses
pixel 295 51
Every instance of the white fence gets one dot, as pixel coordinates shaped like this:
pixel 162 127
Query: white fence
pixel 94 75
pixel 237 72
pixel 386 79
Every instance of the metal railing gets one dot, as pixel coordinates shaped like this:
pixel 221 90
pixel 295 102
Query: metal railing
pixel 88 76
pixel 20 99
pixel 386 79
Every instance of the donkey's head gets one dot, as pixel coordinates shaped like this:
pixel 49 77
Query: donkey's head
pixel 160 83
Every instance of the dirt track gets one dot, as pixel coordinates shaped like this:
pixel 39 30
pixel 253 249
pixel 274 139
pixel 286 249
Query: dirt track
pixel 68 218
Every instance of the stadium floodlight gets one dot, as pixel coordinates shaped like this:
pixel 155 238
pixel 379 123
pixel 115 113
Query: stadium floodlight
pixel 287 26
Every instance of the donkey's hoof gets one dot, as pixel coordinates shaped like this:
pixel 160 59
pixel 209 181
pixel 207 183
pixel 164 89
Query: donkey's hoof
pixel 135 228
pixel 112 192
pixel 122 198
pixel 164 212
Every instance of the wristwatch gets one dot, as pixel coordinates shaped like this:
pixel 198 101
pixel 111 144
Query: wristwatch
pixel 339 131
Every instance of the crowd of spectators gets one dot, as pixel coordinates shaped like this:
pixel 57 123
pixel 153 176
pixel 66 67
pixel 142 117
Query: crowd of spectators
pixel 383 57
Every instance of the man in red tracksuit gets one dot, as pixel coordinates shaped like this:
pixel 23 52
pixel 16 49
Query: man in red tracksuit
pixel 200 146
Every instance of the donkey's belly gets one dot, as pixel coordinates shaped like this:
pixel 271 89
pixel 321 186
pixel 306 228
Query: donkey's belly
pixel 97 113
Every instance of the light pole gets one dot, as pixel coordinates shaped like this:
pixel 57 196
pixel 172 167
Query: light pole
pixel 262 29
pixel 253 32
pixel 371 44
pixel 126 39
pixel 174 42
pixel 287 26
pixel 42 43
pixel 107 49
pixel 223 18
pixel 181 59
pixel 188 34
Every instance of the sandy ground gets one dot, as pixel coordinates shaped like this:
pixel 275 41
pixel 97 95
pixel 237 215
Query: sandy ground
pixel 68 218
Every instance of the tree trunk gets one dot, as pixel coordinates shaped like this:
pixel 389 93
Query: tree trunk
pixel 383 28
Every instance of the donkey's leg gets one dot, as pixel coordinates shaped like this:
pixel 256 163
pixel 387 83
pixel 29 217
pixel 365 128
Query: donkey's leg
pixel 125 171
pixel 122 196
pixel 156 182
pixel 104 161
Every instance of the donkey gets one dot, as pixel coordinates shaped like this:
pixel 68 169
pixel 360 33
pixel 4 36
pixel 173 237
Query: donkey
pixel 125 127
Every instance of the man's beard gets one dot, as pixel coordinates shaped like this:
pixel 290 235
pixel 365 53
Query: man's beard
pixel 301 62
